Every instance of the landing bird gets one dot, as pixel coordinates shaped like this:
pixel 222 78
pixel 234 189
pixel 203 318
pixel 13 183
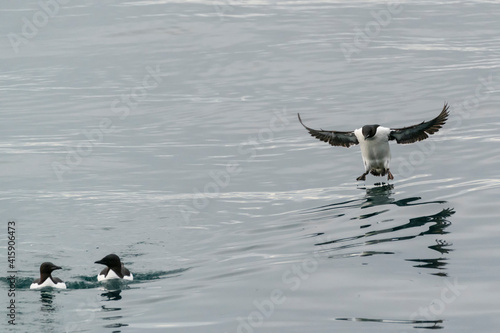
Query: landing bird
pixel 46 279
pixel 115 269
pixel 374 141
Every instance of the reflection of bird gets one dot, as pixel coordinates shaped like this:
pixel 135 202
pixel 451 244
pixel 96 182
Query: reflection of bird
pixel 46 279
pixel 115 269
pixel 374 141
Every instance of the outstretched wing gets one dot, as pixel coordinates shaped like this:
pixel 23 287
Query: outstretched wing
pixel 335 138
pixel 420 131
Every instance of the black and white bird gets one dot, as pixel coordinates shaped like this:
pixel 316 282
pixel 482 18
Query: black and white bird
pixel 46 279
pixel 114 270
pixel 374 141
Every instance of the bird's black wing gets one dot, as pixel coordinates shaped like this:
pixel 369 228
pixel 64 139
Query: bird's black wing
pixel 335 138
pixel 105 271
pixel 420 131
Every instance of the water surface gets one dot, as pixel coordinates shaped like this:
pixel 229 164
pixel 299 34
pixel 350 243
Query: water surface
pixel 166 132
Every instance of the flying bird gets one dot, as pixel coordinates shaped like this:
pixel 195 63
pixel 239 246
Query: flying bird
pixel 374 141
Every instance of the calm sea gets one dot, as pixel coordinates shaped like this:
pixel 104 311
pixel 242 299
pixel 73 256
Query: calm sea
pixel 166 132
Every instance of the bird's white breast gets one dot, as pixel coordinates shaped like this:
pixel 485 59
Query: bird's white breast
pixel 375 151
pixel 112 275
pixel 48 283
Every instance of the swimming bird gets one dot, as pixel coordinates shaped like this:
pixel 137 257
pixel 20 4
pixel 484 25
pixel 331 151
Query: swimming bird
pixel 115 269
pixel 46 279
pixel 374 141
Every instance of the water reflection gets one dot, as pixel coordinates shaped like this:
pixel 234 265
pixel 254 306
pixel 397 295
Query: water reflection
pixel 377 218
pixel 115 325
pixel 423 324
pixel 114 285
pixel 110 317
pixel 112 295
pixel 47 299
pixel 375 196
pixel 372 234
pixel 440 246
pixel 112 292
pixel 49 319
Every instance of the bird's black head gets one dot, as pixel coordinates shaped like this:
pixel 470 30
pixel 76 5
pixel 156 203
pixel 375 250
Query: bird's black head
pixel 111 260
pixel 369 131
pixel 48 267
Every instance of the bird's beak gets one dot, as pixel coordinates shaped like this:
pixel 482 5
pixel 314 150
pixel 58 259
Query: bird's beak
pixel 98 262
pixel 56 267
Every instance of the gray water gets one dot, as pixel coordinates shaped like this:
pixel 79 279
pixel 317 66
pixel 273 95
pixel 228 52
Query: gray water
pixel 166 132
